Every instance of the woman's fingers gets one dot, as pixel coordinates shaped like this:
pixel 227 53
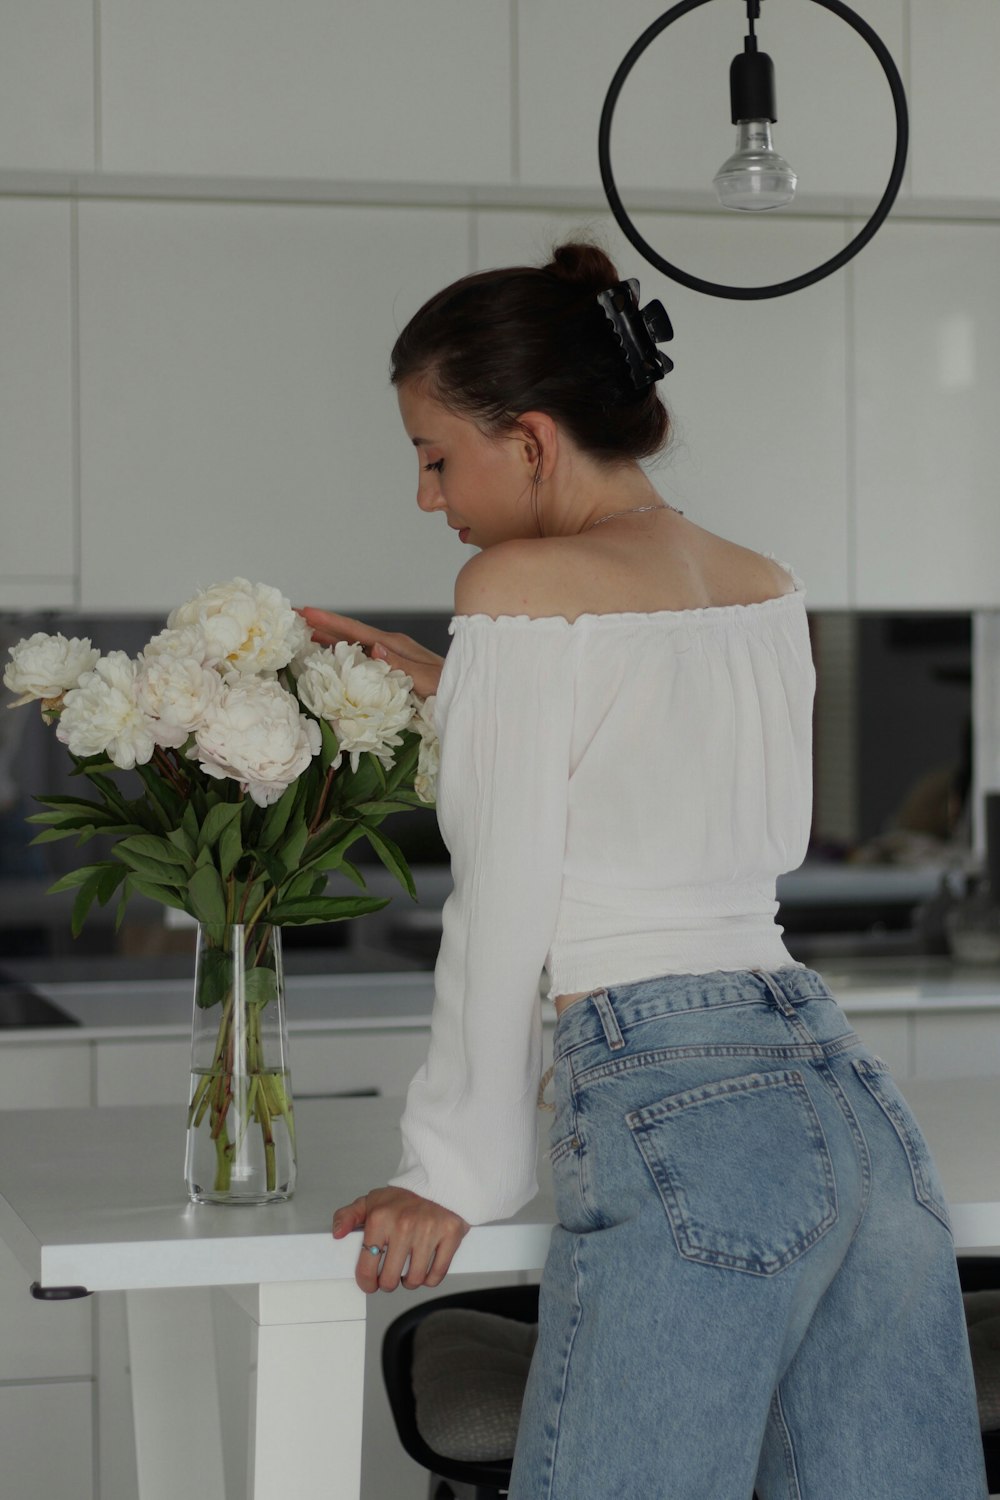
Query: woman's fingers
pixel 406 1240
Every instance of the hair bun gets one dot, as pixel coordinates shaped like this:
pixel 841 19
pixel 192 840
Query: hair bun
pixel 583 265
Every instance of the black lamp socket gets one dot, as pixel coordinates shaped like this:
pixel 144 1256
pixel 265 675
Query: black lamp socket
pixel 751 85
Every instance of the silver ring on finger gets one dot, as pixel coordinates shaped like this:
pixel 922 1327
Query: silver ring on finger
pixel 375 1250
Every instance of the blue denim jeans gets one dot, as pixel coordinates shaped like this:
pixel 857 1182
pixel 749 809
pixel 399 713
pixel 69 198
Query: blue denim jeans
pixel 752 1283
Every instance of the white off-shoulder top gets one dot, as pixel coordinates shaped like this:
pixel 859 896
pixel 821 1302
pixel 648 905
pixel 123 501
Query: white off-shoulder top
pixel 618 795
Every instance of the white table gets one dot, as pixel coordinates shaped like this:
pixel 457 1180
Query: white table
pixel 94 1199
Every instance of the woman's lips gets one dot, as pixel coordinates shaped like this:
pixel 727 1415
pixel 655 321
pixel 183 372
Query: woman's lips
pixel 463 533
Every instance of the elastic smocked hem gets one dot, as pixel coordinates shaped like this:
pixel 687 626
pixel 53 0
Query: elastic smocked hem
pixel 705 612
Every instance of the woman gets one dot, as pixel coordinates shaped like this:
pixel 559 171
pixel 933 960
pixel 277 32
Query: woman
pixel 753 1281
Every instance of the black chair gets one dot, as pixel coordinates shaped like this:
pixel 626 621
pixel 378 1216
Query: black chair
pixel 981 1273
pixel 474 1481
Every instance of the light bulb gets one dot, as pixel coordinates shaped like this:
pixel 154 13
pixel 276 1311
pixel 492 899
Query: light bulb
pixel 755 177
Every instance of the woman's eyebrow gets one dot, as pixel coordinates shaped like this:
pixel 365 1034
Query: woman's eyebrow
pixel 419 442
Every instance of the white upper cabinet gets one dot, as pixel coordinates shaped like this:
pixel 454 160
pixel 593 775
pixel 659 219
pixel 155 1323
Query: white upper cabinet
pixel 758 395
pixel 47 85
pixel 37 521
pixel 956 51
pixel 308 89
pixel 236 412
pixel 672 128
pixel 927 341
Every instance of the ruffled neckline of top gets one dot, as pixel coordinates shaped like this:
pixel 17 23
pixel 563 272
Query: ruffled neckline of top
pixel 705 612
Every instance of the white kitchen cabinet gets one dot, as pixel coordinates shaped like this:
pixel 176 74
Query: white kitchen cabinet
pixel 758 393
pixel 965 1044
pixel 46 1440
pixel 236 412
pixel 38 556
pixel 307 89
pixel 672 127
pixel 44 1075
pixel 954 128
pixel 47 85
pixel 892 1038
pixel 926 334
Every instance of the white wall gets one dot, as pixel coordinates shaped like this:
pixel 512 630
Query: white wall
pixel 213 219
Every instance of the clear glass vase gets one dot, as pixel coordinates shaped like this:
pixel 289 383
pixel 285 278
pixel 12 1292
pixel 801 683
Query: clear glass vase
pixel 241 1128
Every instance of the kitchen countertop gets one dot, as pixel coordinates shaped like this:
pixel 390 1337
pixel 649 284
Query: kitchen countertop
pixel 121 998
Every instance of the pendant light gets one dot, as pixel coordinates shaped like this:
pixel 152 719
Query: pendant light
pixel 755 76
pixel 755 177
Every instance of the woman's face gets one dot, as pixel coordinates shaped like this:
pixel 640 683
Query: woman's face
pixel 482 484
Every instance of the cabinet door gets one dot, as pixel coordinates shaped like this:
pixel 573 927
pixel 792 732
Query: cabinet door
pixel 236 412
pixel 47 87
pixel 961 1044
pixel 757 395
pixel 926 330
pixel 44 1075
pixel 954 51
pixel 381 91
pixel 672 127
pixel 38 557
pixel 46 1441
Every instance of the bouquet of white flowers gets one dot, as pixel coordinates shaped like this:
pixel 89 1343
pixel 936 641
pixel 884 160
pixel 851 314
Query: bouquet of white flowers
pixel 263 757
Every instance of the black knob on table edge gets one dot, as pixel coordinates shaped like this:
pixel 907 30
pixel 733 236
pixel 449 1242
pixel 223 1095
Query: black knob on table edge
pixel 58 1293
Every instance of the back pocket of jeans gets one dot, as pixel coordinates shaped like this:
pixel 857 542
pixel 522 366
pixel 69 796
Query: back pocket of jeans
pixel 879 1082
pixel 742 1168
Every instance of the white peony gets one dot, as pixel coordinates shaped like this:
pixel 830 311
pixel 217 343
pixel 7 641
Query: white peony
pixel 254 733
pixel 103 715
pixel 366 702
pixel 177 693
pixel 248 627
pixel 184 644
pixel 44 666
pixel 429 756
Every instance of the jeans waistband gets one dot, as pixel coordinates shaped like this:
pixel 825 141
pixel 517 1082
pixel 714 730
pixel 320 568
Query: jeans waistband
pixel 611 1010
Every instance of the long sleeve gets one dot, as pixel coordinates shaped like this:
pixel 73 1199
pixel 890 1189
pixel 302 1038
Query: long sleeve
pixel 504 715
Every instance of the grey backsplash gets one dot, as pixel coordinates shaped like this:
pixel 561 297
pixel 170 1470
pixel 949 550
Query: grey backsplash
pixel 893 714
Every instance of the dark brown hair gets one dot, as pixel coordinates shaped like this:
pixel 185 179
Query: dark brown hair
pixel 526 338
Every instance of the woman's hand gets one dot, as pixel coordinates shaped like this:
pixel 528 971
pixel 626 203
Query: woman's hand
pixel 401 1226
pixel 391 646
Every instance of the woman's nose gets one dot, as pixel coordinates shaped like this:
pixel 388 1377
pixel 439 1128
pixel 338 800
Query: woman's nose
pixel 428 493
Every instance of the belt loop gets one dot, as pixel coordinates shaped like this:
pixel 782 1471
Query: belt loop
pixel 612 1031
pixel 781 1000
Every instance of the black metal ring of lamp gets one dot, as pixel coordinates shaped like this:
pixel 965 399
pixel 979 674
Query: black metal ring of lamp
pixel 795 283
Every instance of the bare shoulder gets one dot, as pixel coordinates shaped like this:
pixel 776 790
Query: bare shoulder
pixel 512 578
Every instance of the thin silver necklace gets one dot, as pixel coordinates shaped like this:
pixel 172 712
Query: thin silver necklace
pixel 634 511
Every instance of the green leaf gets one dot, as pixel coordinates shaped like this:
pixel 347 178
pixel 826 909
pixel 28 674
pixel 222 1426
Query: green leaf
pixel 74 878
pixel 330 746
pixel 383 807
pixel 308 910
pixel 291 848
pixel 276 819
pixel 392 857
pixel 261 985
pixel 84 900
pixel 218 820
pixel 162 793
pixel 150 846
pixel 230 849
pixel 153 869
pixel 52 835
pixel 123 902
pixel 215 971
pixel 158 892
pixel 207 895
pixel 190 824
pixel 111 879
pixel 353 873
pixel 333 857
pixel 183 842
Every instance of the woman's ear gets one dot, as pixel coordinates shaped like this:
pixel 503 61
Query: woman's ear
pixel 539 436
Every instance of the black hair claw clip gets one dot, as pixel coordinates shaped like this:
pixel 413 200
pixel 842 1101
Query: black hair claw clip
pixel 638 330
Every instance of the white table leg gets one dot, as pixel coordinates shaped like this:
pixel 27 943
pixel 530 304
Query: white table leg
pixel 175 1394
pixel 306 1398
